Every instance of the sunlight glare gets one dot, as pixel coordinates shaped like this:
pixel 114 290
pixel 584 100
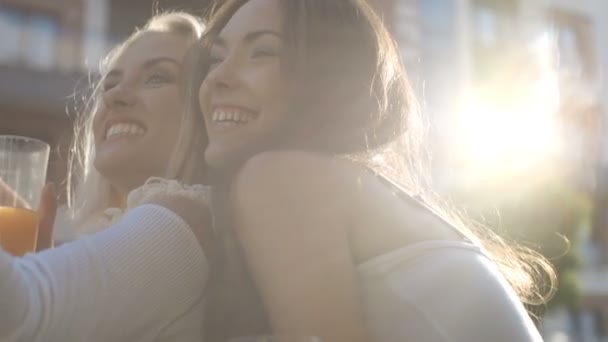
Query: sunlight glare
pixel 512 126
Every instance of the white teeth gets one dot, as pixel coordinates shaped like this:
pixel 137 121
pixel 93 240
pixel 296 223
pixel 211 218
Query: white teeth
pixel 124 129
pixel 220 115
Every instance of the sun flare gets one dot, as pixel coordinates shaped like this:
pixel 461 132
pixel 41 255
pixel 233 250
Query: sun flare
pixel 511 126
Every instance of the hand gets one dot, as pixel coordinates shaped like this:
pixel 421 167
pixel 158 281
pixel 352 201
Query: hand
pixel 47 212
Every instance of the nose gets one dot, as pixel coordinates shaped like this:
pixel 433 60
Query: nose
pixel 120 96
pixel 224 75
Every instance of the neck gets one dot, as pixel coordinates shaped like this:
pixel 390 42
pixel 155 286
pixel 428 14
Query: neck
pixel 125 182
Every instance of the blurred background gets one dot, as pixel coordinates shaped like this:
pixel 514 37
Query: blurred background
pixel 515 89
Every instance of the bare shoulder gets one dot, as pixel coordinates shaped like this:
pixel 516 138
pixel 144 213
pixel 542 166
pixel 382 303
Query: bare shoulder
pixel 295 182
pixel 291 219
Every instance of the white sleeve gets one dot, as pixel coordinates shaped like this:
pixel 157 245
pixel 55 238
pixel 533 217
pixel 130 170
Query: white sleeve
pixel 125 283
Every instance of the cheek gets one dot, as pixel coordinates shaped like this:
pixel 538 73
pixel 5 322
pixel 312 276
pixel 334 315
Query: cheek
pixel 97 121
pixel 274 95
pixel 267 85
pixel 167 106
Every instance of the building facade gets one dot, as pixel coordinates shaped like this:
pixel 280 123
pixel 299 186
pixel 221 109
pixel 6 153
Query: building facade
pixel 39 66
pixel 450 46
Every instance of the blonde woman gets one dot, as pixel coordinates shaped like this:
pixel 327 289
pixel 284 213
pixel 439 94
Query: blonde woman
pixel 142 276
pixel 118 144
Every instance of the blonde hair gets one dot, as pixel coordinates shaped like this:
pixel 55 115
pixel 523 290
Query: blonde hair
pixel 88 192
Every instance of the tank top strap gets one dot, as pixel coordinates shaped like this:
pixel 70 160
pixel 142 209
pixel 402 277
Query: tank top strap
pixel 414 199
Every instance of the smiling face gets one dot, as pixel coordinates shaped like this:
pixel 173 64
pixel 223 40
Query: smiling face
pixel 243 97
pixel 139 115
pixel 300 74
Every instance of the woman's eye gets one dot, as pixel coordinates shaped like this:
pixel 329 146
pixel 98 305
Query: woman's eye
pixel 158 79
pixel 261 53
pixel 215 60
pixel 108 86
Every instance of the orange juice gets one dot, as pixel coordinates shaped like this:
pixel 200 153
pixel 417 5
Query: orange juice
pixel 18 230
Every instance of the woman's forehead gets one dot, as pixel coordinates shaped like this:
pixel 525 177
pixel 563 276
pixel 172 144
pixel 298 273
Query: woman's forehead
pixel 150 46
pixel 254 15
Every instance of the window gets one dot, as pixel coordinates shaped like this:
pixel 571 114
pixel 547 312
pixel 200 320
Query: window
pixel 574 44
pixel 439 50
pixel 29 38
pixel 438 19
pixel 488 22
pixel 10 25
pixel 40 41
pixel 493 24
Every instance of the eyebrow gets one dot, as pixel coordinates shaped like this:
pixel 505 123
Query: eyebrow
pixel 147 65
pixel 250 37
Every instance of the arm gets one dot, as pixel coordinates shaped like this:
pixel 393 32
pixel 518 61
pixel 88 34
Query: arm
pixel 124 283
pixel 291 219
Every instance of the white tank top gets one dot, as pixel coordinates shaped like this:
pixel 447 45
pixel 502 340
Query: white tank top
pixel 441 291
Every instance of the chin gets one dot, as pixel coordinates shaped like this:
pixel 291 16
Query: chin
pixel 115 158
pixel 125 175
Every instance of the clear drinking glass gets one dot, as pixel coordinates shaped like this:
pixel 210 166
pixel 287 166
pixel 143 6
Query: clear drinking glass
pixel 23 167
pixel 275 338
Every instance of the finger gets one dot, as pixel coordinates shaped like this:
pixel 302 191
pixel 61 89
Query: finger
pixel 47 212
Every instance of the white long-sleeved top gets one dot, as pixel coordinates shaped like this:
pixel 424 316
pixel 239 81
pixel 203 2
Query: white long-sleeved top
pixel 142 279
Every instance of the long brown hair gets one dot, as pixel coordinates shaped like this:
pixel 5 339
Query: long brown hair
pixel 348 86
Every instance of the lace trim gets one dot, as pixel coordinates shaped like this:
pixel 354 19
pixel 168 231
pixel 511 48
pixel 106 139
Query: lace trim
pixel 154 186
pixel 161 186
